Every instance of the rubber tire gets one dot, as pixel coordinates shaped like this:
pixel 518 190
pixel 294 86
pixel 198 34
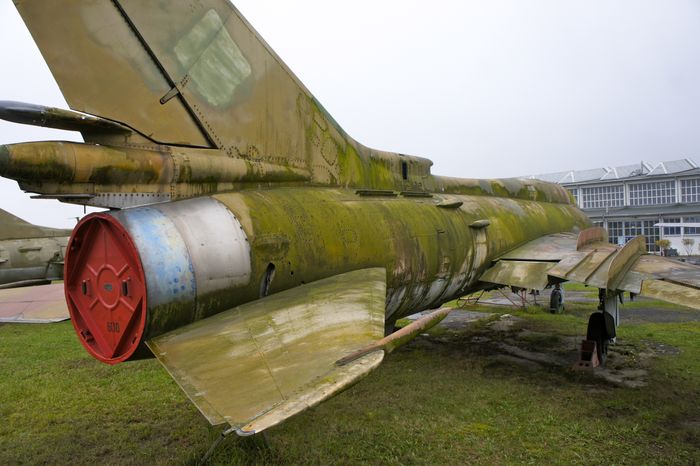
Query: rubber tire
pixel 556 304
pixel 598 333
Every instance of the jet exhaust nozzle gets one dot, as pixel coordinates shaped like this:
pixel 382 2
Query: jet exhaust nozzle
pixel 136 274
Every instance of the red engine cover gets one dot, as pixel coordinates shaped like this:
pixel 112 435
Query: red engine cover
pixel 105 288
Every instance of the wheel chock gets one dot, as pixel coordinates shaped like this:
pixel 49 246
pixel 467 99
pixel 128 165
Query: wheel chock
pixel 588 356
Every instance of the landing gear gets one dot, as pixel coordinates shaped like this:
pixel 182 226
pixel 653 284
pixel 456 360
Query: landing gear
pixel 602 330
pixel 556 300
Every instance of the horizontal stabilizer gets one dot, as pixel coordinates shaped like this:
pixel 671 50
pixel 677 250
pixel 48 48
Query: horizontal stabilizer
pixel 258 364
pixel 34 305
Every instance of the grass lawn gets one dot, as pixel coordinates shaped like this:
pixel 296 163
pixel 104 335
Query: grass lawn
pixel 442 399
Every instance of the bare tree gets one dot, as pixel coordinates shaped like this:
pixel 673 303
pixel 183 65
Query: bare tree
pixel 688 245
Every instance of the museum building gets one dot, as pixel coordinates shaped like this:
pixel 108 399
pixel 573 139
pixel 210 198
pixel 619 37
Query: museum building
pixel 659 201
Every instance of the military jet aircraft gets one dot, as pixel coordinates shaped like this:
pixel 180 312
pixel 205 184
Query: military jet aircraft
pixel 255 248
pixel 31 257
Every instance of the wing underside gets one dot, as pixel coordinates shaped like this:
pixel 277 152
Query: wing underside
pixel 588 258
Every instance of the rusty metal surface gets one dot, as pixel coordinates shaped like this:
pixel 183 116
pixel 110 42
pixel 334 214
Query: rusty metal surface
pixel 245 362
pixel 38 304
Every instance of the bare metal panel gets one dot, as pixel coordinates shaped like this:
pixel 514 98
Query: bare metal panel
pixel 36 305
pixel 277 351
pixel 220 261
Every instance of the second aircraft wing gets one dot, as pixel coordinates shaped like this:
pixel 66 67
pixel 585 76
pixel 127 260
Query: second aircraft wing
pixel 588 258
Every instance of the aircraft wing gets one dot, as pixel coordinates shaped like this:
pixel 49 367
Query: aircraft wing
pixel 258 364
pixel 588 258
pixel 36 304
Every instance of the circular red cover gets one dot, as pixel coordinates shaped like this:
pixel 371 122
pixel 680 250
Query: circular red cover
pixel 105 288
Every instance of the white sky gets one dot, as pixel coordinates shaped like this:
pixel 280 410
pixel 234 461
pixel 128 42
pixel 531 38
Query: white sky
pixel 489 88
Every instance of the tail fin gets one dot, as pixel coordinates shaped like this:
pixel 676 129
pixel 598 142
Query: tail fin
pixel 13 227
pixel 192 73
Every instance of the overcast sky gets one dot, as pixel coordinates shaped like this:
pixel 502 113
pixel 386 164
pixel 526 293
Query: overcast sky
pixel 489 88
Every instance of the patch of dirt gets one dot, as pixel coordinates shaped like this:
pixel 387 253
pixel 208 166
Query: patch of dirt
pixel 508 342
pixel 505 323
pixel 457 320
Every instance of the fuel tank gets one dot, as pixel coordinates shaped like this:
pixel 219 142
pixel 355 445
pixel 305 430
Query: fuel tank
pixel 135 274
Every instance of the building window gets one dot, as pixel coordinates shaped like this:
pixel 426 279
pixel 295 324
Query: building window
pixel 661 192
pixel 616 232
pixel 672 231
pixel 574 193
pixel 691 230
pixel 632 230
pixel 690 190
pixel 652 234
pixel 600 197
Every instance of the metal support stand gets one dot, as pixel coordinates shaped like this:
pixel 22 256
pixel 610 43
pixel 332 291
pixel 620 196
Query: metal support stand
pixel 214 445
pixel 265 442
pixel 465 301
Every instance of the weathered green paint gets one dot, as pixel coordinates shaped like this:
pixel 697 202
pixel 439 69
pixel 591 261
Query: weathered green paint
pixel 313 233
pixel 187 100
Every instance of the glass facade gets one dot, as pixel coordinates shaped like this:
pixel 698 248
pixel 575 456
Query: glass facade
pixel 672 231
pixel 600 197
pixel 691 230
pixel 616 232
pixel 652 234
pixel 621 232
pixel 657 193
pixel 690 190
pixel 633 206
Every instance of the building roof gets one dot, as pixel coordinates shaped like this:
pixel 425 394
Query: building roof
pixel 640 171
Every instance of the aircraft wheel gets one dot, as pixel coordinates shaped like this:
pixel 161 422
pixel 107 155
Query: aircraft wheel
pixel 556 302
pixel 597 332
